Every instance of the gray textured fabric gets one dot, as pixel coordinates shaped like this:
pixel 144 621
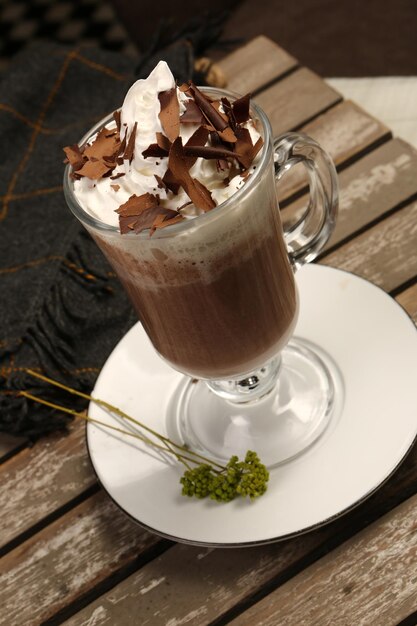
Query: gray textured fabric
pixel 61 308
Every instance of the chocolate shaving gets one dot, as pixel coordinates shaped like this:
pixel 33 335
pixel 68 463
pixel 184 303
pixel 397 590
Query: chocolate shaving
pixel 164 220
pixel 241 109
pixel 126 224
pixel 117 119
pixel 136 204
pixel 98 159
pixel 153 218
pixel 184 205
pixel 227 135
pixel 103 146
pixel 160 149
pixel 192 114
pixel 245 150
pixel 119 175
pixel 171 182
pixel 221 164
pixel 196 191
pixel 163 142
pixel 197 139
pixel 170 113
pixel 213 116
pixel 115 187
pixel 93 169
pixel 74 156
pixel 161 183
pixel 128 153
pixel 217 104
pixel 140 212
pixel 210 152
pixel 257 147
pixel 154 151
pixel 137 223
pixel 229 112
pixel 146 219
pixel 244 147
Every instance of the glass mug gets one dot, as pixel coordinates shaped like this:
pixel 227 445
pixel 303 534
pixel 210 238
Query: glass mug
pixel 217 297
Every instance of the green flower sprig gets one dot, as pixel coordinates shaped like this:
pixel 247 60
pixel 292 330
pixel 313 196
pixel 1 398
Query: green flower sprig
pixel 202 477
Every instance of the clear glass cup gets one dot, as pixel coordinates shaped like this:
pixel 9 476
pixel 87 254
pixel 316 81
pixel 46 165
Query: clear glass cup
pixel 217 297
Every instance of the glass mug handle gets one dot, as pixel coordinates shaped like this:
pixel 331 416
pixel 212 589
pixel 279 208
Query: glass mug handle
pixel 306 238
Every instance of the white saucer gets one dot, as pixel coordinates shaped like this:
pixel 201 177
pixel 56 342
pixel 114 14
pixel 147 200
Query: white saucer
pixel 374 343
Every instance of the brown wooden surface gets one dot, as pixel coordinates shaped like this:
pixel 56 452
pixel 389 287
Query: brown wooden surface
pixel 367 580
pixel 294 100
pixel 8 444
pixel 386 254
pixel 276 62
pixel 40 480
pixel 74 553
pixel 345 131
pixel 370 188
pixel 71 557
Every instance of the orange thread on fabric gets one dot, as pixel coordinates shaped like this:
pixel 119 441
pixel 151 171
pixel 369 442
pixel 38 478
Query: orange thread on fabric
pixel 44 129
pixel 99 67
pixel 33 193
pixel 24 119
pixel 5 371
pixel 71 55
pixel 47 259
pixel 4 342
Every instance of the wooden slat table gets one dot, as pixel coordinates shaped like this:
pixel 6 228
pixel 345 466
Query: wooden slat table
pixel 68 555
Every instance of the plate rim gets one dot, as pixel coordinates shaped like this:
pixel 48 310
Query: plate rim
pixel 258 542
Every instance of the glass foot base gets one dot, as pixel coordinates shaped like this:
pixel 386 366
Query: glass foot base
pixel 278 426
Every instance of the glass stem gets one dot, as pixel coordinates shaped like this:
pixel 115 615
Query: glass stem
pixel 251 387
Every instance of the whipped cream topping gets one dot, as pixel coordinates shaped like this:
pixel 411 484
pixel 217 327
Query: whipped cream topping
pixel 100 198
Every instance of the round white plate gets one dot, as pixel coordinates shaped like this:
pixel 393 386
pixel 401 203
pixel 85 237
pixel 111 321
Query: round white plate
pixel 374 343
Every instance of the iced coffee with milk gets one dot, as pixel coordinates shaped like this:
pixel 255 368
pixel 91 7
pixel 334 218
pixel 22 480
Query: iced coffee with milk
pixel 174 189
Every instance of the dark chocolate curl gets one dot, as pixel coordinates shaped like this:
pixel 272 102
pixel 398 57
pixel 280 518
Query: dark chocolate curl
pixel 170 113
pixel 117 119
pixel 128 155
pixel 136 204
pixel 196 191
pixel 192 114
pixel 210 152
pixel 74 156
pixel 241 109
pixel 154 151
pixel 213 116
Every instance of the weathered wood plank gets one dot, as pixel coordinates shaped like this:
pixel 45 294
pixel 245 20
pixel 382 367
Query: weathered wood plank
pixel 188 585
pixel 408 299
pixel 368 580
pixel 78 551
pixel 9 444
pixel 374 185
pixel 296 99
pixel 370 188
pixel 385 254
pixel 256 64
pixel 344 131
pixel 41 479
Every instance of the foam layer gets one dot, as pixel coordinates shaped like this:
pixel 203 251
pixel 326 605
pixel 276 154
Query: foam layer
pixel 205 247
